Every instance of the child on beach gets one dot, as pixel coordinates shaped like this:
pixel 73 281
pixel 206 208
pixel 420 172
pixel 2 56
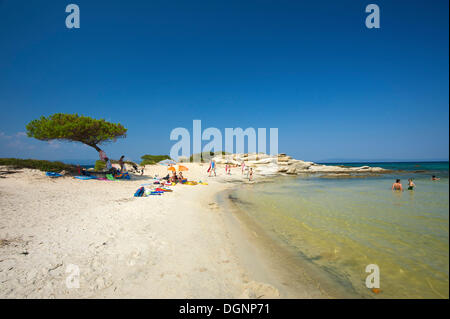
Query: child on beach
pixel 250 174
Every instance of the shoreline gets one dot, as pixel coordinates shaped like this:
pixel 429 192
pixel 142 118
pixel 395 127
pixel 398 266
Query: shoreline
pixel 294 276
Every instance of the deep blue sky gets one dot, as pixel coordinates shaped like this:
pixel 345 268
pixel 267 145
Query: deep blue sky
pixel 335 89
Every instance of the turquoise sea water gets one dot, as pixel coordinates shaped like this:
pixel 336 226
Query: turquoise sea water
pixel 344 224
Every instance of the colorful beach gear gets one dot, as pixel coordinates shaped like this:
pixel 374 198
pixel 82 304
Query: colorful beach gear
pixel 53 174
pixel 85 177
pixel 140 192
pixel 163 190
pixel 124 175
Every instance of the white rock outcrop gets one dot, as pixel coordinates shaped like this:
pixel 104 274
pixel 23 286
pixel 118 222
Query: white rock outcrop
pixel 264 164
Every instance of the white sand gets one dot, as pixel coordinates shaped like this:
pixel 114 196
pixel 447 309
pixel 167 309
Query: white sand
pixel 172 246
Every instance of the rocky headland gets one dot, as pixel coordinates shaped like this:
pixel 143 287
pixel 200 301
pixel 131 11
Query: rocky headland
pixel 283 164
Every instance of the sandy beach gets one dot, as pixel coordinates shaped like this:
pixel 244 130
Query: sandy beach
pixel 179 245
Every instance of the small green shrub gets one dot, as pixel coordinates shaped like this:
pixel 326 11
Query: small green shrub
pixel 45 166
pixel 153 159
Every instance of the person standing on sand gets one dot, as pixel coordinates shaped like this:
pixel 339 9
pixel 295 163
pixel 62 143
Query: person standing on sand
pixel 411 184
pixel 121 163
pixel 397 186
pixel 212 168
pixel 250 174
pixel 243 167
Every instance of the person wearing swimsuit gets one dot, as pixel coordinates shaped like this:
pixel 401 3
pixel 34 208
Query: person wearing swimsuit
pixel 212 168
pixel 411 184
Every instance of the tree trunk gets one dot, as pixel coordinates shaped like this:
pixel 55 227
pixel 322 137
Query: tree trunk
pixel 94 146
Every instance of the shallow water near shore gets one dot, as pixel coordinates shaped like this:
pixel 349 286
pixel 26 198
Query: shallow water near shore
pixel 342 225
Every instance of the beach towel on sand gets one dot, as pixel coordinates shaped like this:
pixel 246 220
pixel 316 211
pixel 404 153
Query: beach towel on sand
pixel 122 176
pixel 110 177
pixel 53 174
pixel 85 177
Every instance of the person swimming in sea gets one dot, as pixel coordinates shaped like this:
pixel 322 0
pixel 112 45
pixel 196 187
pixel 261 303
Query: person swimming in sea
pixel 411 184
pixel 434 178
pixel 397 186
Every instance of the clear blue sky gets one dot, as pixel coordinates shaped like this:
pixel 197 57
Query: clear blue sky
pixel 335 89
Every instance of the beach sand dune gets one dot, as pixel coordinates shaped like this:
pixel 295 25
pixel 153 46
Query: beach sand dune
pixel 170 246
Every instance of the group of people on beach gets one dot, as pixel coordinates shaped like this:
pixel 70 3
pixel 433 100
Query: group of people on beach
pixel 397 186
pixel 122 168
pixel 111 169
pixel 175 178
pixel 212 169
